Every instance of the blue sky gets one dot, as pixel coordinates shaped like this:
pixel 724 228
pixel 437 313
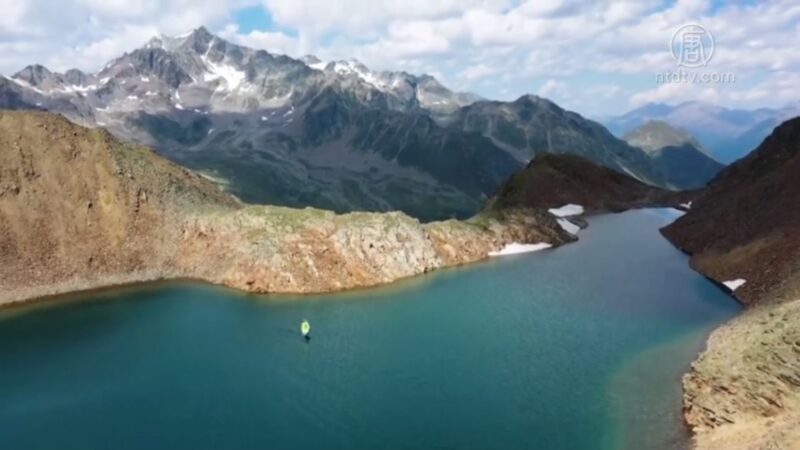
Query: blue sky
pixel 599 58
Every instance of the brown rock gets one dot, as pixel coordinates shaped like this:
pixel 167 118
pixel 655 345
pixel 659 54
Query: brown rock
pixel 134 216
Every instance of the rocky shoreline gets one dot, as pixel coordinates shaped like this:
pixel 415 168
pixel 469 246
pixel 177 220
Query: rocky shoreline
pixel 308 263
pixel 743 391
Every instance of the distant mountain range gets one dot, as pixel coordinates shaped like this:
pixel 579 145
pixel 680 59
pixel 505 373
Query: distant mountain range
pixel 335 135
pixel 728 134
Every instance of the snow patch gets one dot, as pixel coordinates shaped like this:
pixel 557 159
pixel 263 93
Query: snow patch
pixel 264 118
pixel 687 205
pixel 210 130
pixel 734 284
pixel 568 226
pixel 355 68
pixel 232 76
pixel 145 79
pixel 178 106
pixel 77 88
pixel 567 210
pixel 515 248
pixel 150 93
pixel 25 84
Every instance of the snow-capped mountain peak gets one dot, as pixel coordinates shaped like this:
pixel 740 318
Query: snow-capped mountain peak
pixel 314 62
pixel 199 72
pixel 407 90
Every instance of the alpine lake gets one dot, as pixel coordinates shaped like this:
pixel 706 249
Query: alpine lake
pixel 580 347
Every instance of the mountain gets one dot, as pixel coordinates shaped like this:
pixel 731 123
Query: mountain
pixel 80 209
pixel 533 125
pixel 551 181
pixel 743 231
pixel 728 133
pixel 273 129
pixel 405 91
pixel 682 158
pixel 745 224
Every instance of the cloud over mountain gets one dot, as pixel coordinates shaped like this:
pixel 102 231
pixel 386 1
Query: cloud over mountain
pixel 497 48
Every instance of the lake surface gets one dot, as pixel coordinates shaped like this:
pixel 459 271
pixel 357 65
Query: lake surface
pixel 581 347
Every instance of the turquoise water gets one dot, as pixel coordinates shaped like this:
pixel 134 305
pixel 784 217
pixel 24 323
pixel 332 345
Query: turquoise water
pixel 576 348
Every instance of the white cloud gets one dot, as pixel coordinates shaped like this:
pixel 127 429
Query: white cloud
pixel 496 47
pixel 478 72
pixel 271 41
pixel 676 93
pixel 86 33
pixel 367 16
pixel 551 88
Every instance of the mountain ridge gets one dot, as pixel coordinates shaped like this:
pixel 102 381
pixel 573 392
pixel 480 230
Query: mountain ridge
pixel 728 133
pixel 273 129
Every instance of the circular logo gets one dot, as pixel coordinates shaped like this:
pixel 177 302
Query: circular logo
pixel 692 46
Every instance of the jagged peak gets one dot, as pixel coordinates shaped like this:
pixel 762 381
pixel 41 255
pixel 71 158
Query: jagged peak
pixel 33 74
pixel 33 69
pixel 199 38
pixel 533 99
pixel 201 32
pixel 350 65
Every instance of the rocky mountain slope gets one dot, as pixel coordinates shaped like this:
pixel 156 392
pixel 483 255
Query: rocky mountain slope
pixel 550 181
pixel 532 125
pixel 273 129
pixel 744 231
pixel 406 91
pixel 682 158
pixel 79 209
pixel 728 133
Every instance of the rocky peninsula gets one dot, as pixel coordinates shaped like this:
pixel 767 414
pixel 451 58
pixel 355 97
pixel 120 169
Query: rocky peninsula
pixel 79 210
